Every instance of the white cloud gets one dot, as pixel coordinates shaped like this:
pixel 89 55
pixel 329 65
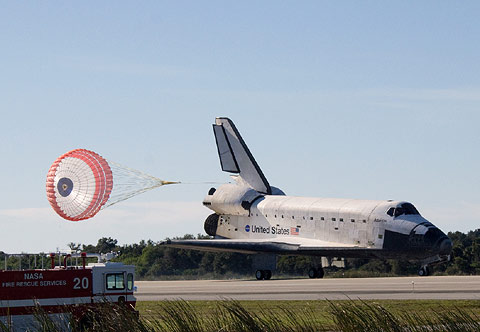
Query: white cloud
pixel 154 213
pixel 25 213
pixel 41 229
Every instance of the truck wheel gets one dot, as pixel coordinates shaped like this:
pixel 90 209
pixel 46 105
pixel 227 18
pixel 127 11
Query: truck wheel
pixel 320 272
pixel 260 275
pixel 268 274
pixel 312 273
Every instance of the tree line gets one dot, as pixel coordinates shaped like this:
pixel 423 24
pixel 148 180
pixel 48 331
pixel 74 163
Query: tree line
pixel 154 261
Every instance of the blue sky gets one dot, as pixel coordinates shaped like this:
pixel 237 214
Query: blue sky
pixel 350 99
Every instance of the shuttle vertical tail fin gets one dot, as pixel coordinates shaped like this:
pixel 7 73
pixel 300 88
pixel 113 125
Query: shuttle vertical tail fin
pixel 235 157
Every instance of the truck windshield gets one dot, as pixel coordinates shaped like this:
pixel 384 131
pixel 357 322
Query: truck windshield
pixel 115 281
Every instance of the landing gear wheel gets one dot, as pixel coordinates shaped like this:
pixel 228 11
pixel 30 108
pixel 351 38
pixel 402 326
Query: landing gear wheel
pixel 424 271
pixel 260 274
pixel 320 273
pixel 268 274
pixel 316 273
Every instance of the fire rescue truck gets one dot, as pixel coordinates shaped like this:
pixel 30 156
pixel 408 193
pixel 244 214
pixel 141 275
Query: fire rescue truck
pixel 62 290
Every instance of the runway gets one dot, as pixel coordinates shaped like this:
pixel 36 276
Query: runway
pixel 402 288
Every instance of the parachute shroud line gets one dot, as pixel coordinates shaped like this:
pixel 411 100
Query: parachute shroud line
pixel 80 183
pixel 132 182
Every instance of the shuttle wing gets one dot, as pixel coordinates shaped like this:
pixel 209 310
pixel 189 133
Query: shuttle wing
pixel 284 246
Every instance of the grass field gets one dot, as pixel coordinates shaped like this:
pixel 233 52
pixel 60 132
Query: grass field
pixel 274 316
pixel 148 308
pixel 382 315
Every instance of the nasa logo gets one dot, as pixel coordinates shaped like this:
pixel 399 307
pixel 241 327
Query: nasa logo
pixel 32 276
pixel 247 228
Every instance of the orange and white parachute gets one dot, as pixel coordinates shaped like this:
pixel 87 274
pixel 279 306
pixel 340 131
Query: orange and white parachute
pixel 81 182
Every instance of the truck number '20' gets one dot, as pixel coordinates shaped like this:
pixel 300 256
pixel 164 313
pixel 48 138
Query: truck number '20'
pixel 80 283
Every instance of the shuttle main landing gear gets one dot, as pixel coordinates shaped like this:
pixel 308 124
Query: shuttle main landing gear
pixel 264 264
pixel 263 274
pixel 316 272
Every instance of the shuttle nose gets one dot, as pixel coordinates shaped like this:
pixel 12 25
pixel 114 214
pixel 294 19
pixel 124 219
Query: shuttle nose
pixel 438 241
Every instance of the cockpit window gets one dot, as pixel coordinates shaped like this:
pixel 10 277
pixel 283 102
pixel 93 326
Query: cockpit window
pixel 405 208
pixel 409 208
pixel 399 211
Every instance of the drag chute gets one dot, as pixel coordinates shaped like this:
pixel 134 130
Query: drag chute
pixel 81 182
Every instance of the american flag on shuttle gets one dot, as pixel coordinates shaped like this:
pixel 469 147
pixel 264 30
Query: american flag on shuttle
pixel 294 230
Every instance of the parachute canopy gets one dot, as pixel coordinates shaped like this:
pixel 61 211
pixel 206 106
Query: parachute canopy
pixel 80 183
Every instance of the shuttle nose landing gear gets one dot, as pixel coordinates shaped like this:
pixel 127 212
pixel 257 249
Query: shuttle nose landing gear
pixel 424 271
pixel 263 274
pixel 316 272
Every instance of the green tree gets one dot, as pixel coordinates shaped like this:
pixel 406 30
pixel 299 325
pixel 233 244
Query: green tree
pixel 105 245
pixel 153 260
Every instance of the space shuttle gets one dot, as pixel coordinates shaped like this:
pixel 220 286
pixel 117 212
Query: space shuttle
pixel 251 216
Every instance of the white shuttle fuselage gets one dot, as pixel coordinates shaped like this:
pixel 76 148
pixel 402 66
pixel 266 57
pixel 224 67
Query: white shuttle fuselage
pixel 250 216
pixel 341 221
